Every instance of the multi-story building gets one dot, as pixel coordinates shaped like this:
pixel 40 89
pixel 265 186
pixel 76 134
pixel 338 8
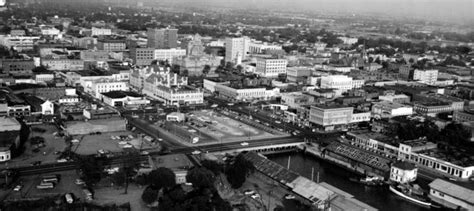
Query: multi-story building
pixel 162 38
pixel 241 93
pixel 328 117
pixel 419 152
pixel 18 66
pixel 19 110
pixel 49 31
pixel 144 56
pixel 463 116
pixel 432 104
pixel 63 64
pixel 97 87
pixel 171 89
pixel 19 43
pixel 236 49
pixel 85 42
pixel 298 74
pixel 100 31
pixel 403 172
pixel 271 67
pixel 426 76
pixel 341 83
pixel 387 109
pixel 168 54
pixel 296 99
pixel 256 47
pixel 196 60
pixel 111 45
pixel 399 98
pixel 91 55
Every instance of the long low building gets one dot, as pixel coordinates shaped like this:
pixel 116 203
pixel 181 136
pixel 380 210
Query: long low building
pixel 420 152
pixel 452 195
pixel 124 99
pixel 243 93
pixel 320 196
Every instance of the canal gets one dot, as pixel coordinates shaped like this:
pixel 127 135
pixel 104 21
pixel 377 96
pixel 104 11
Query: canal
pixel 378 197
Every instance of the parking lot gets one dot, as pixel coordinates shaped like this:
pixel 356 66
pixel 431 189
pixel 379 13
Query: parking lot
pixel 45 152
pixel 65 185
pixel 112 142
pixel 220 127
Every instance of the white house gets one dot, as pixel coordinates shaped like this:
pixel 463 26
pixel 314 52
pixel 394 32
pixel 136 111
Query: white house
pixel 47 108
pixel 403 172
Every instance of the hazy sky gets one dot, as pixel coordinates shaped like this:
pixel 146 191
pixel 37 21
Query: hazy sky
pixel 453 10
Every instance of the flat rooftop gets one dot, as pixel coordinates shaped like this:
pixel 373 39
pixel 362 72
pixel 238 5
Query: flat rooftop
pixel 173 161
pixel 9 124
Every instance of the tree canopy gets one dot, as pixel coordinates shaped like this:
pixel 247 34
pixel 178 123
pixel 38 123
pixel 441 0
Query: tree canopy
pixel 162 178
pixel 238 171
pixel 201 177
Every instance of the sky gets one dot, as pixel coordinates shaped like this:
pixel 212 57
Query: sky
pixel 450 10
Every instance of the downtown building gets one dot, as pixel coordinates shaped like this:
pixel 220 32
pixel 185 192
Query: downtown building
pixel 331 117
pixel 145 56
pixel 165 86
pixel 236 49
pixel 162 38
pixel 271 68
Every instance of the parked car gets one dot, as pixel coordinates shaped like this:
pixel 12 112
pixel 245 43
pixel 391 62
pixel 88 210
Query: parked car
pixel 255 196
pixel 18 188
pixel 289 196
pixel 69 198
pixel 79 182
pixel 249 192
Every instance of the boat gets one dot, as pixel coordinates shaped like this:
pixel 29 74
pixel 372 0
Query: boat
pixel 411 193
pixel 368 180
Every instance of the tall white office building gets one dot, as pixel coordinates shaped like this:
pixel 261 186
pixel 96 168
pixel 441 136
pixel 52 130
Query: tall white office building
pixel 236 49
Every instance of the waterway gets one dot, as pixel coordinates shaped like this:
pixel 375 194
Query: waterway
pixel 378 197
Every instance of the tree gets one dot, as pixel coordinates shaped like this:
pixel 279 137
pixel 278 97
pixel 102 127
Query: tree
pixel 201 177
pixel 238 171
pixel 184 72
pixel 173 199
pixel 149 195
pixel 119 177
pixel 455 134
pixel 91 168
pixel 162 178
pixel 206 69
pixel 213 166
